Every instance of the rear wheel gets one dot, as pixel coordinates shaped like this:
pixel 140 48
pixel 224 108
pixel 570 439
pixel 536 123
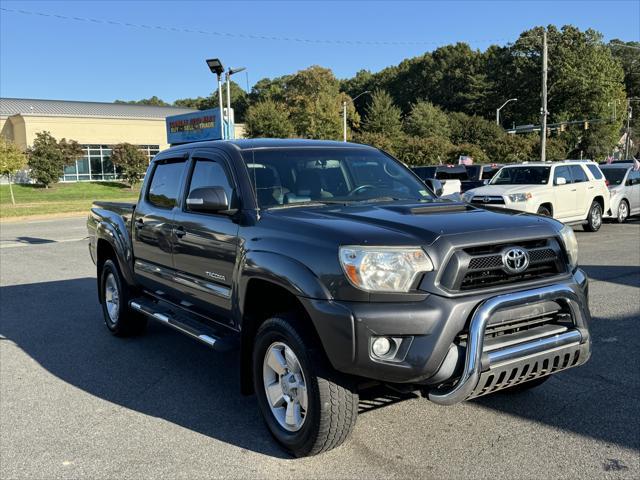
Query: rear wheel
pixel 307 406
pixel 594 219
pixel 623 211
pixel 115 295
pixel 542 210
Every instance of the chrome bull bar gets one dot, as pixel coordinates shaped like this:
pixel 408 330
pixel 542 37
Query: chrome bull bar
pixel 468 382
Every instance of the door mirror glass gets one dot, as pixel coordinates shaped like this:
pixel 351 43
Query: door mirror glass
pixel 435 185
pixel 208 199
pixel 561 181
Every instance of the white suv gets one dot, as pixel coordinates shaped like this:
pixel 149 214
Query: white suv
pixel 570 191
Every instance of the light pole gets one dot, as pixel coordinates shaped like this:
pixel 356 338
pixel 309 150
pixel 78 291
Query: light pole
pixel 501 107
pixel 215 65
pixel 230 72
pixel 344 113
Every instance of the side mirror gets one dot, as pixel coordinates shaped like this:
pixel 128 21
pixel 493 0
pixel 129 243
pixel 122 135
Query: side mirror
pixel 629 182
pixel 435 185
pixel 561 181
pixel 208 199
pixel 485 181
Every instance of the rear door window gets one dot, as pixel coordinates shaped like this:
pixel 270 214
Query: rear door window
pixel 595 171
pixel 578 174
pixel 165 184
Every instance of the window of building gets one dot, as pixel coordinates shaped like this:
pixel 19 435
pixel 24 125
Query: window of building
pixel 96 164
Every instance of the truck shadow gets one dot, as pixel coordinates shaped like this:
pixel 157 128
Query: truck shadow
pixel 165 375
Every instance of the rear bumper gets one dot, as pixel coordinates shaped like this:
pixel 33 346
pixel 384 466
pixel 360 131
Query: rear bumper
pixel 430 327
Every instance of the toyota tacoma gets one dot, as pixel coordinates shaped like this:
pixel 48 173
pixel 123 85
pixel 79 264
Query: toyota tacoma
pixel 332 268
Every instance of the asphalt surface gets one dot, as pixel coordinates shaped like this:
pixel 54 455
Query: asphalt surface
pixel 76 402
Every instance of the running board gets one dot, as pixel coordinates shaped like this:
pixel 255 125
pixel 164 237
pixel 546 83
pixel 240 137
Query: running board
pixel 184 323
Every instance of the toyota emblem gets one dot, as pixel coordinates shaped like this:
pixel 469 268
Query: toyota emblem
pixel 515 260
pixel 486 199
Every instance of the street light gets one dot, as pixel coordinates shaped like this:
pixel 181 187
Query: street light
pixel 498 110
pixel 230 72
pixel 344 112
pixel 215 65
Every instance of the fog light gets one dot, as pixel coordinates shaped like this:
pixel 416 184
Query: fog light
pixel 381 346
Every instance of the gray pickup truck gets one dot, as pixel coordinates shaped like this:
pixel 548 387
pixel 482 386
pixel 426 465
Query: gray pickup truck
pixel 332 268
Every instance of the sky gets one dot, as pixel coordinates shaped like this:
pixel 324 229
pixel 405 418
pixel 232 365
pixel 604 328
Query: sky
pixel 100 59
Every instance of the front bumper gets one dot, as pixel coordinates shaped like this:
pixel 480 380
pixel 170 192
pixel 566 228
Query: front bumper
pixel 431 357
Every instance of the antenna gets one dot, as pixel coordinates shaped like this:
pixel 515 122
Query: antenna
pixel 255 184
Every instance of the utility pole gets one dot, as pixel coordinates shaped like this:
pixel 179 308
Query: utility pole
pixel 543 111
pixel 627 140
pixel 344 119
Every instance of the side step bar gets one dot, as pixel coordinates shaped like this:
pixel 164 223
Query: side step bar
pixel 181 322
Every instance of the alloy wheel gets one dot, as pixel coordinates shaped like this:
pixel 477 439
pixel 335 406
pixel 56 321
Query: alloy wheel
pixel 112 298
pixel 285 386
pixel 623 212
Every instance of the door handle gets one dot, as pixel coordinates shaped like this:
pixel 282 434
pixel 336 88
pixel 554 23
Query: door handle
pixel 574 190
pixel 179 232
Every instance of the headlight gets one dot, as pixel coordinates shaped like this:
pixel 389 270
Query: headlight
pixel 467 196
pixel 613 193
pixel 570 245
pixel 384 269
pixel 519 197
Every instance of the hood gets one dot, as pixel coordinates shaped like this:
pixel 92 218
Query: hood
pixel 403 224
pixel 506 189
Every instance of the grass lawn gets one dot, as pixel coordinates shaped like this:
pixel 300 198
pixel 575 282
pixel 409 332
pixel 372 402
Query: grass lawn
pixel 61 197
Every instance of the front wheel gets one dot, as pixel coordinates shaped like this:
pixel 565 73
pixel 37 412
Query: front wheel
pixel 594 219
pixel 542 210
pixel 307 406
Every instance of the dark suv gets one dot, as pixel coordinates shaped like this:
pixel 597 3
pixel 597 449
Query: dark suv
pixel 331 267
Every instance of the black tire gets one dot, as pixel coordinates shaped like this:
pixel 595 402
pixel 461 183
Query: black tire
pixel 623 211
pixel 523 387
pixel 542 210
pixel 594 218
pixel 125 321
pixel 332 403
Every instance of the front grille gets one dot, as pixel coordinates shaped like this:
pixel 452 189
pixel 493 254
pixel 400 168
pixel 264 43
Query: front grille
pixel 487 200
pixel 477 267
pixel 507 324
pixel 490 278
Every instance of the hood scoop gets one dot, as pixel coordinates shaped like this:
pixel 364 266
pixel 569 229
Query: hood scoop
pixel 422 209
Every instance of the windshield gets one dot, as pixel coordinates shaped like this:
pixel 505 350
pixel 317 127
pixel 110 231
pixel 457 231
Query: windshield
pixel 615 176
pixel 329 175
pixel 522 176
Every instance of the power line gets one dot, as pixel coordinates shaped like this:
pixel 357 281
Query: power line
pixel 238 35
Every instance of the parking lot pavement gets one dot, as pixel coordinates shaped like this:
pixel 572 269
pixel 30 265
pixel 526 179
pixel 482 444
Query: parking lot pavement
pixel 76 402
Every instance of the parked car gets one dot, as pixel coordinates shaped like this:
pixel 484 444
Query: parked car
pixel 573 192
pixel 478 175
pixel 624 186
pixel 448 175
pixel 331 268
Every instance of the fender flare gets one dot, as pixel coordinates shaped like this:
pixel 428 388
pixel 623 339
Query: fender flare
pixel 111 228
pixel 280 270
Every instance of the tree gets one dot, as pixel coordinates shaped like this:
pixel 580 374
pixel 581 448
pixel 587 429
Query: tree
pixel 46 159
pixel 268 119
pixel 155 101
pixel 423 151
pixel 314 102
pixel 628 54
pixel 132 162
pixel 377 140
pixel 383 116
pixel 469 150
pixel 427 120
pixel 473 129
pixel 12 160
